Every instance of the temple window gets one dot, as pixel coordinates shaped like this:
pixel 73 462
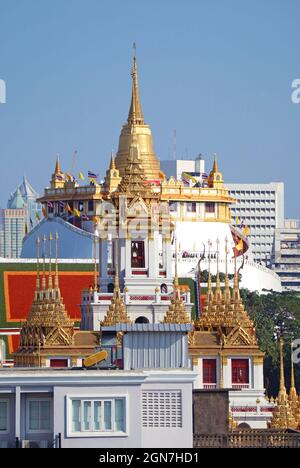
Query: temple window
pixel 98 415
pixel 39 418
pixel 240 372
pixel 191 207
pixel 137 254
pixel 209 207
pixel 209 371
pixel 91 205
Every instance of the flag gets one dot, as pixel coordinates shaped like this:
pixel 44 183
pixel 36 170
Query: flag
pixel 92 175
pixel 44 213
pixel 186 175
pixel 62 204
pixel 69 209
pixel 59 177
pixel 70 177
pixel 246 231
pixel 81 176
pixel 50 204
pixel 76 212
pixel 239 246
pixel 93 181
pixel 237 221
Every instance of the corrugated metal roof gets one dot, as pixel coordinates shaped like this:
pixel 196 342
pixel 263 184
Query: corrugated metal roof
pixel 151 327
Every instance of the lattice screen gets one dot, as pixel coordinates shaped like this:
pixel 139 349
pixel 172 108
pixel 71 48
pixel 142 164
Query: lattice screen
pixel 162 409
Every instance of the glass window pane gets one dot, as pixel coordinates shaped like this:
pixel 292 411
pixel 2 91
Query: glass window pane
pixel 3 416
pixel 107 416
pixel 87 415
pixel 97 416
pixel 34 415
pixel 76 419
pixel 45 411
pixel 119 414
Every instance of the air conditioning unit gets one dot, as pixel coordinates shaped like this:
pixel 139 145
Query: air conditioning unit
pixel 3 444
pixel 30 444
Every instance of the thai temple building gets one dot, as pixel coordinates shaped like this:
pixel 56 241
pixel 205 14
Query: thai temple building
pixel 198 208
pixel 144 234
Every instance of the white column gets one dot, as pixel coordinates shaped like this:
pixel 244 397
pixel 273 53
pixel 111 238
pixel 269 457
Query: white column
pixel 128 258
pixel 168 259
pixel 227 373
pixel 103 258
pixel 258 376
pixel 153 260
pixel 18 412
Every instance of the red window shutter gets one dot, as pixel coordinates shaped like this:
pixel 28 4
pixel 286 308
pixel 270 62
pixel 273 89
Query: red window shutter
pixel 240 371
pixel 209 371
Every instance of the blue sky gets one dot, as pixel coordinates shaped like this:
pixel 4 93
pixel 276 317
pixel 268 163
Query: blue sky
pixel 217 71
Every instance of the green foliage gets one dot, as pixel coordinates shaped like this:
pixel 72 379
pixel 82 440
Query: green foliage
pixel 272 314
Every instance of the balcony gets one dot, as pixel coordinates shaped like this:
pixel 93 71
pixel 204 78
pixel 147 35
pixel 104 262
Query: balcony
pixel 240 386
pixel 209 386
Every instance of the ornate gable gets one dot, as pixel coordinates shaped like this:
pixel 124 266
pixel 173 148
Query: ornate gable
pixel 58 337
pixel 239 337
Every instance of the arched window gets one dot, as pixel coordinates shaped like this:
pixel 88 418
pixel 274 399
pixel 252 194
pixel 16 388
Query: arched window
pixel 142 319
pixel 163 288
pixel 244 426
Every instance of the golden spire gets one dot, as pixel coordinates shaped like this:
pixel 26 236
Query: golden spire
pixel 44 266
pixel 95 265
pixel 57 166
pixel 117 310
pixel 236 287
pixel 56 281
pixel 112 165
pixel 218 292
pixel 135 128
pixel 215 166
pixel 293 392
pixel 135 116
pixel 283 417
pixel 50 285
pixel 282 389
pixel 176 312
pixel 209 286
pixel 37 288
pixel 227 295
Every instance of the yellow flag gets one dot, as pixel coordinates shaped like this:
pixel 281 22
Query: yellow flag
pixel 76 212
pixel 81 176
pixel 246 231
pixel 237 221
pixel 95 219
pixel 239 246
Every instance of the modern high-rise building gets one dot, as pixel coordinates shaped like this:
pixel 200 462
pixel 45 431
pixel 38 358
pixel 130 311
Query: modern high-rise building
pixel 30 196
pixel 286 256
pixel 13 225
pixel 261 208
pixel 20 216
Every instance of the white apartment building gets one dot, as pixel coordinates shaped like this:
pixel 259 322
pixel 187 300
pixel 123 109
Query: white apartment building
pixel 286 256
pixel 261 207
pixel 42 408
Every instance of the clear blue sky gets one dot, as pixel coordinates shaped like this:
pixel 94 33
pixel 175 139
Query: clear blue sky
pixel 217 71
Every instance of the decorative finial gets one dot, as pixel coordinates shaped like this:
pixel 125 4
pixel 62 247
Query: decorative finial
pixel 135 116
pixel 218 293
pixel 44 265
pixel 95 265
pixel 293 392
pixel 50 285
pixel 209 286
pixel 56 283
pixel 37 266
pixel 227 296
pixel 57 166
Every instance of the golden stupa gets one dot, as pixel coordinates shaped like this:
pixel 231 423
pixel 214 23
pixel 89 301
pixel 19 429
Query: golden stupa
pixel 136 126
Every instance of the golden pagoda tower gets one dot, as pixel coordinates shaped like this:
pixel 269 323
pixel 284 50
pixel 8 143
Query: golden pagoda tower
pixel 136 125
pixel 48 324
pixel 176 312
pixel 215 179
pixel 58 177
pixel 282 414
pixel 117 310
pixel 293 397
